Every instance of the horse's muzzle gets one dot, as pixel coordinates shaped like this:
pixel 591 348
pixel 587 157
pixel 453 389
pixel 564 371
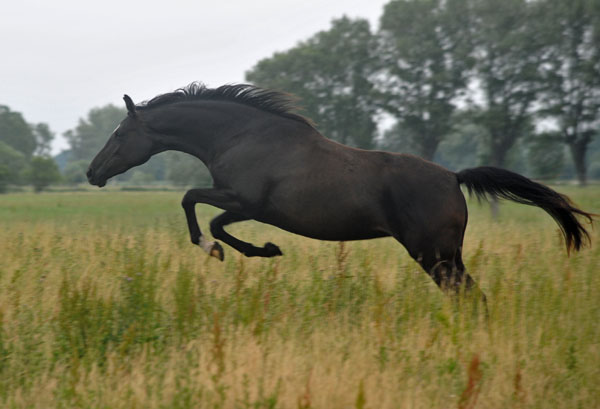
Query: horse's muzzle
pixel 92 178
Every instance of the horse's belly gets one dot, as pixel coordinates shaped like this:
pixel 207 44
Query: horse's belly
pixel 333 227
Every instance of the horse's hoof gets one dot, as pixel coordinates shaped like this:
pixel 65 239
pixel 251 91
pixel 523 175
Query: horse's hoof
pixel 216 251
pixel 272 250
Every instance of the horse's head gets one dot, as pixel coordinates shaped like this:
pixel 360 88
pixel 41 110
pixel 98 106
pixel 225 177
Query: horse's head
pixel 129 145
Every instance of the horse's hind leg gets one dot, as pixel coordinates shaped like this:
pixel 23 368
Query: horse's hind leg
pixel 441 259
pixel 450 275
pixel 249 250
pixel 448 272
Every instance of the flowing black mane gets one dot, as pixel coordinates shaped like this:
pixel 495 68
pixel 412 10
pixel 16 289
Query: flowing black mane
pixel 276 102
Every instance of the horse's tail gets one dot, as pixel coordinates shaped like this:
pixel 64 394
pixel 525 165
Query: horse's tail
pixel 504 184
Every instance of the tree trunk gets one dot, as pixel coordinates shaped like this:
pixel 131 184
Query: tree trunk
pixel 428 148
pixel 578 150
pixel 497 158
pixel 427 152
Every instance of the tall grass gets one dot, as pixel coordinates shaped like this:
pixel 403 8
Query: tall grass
pixel 105 303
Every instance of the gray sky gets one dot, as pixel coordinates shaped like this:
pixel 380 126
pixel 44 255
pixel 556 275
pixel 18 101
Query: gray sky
pixel 60 58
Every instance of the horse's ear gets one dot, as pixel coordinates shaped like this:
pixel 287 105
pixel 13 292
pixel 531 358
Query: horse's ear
pixel 130 105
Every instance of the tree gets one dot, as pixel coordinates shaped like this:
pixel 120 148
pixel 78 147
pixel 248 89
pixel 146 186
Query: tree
pixel 63 159
pixel 12 164
pixel 140 178
pixel 4 178
pixel 43 137
pixel 186 170
pixel 546 156
pixel 572 74
pixel 74 172
pixel 462 148
pixel 594 156
pixel 330 73
pixel 424 66
pixel 42 172
pixel 507 52
pixel 91 133
pixel 16 132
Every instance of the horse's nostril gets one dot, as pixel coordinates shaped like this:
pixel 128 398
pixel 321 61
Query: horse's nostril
pixel 89 173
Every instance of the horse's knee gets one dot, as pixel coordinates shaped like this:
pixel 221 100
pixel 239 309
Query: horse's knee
pixel 187 201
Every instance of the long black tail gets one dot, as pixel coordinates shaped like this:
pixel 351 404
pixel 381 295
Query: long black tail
pixel 504 184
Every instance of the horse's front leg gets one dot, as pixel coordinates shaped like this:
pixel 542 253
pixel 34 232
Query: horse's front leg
pixel 221 198
pixel 247 249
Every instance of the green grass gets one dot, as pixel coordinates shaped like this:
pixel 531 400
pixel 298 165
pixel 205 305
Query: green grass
pixel 104 303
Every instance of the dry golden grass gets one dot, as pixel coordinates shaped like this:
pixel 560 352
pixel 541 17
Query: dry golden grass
pixel 105 304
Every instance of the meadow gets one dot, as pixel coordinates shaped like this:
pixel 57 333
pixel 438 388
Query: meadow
pixel 104 303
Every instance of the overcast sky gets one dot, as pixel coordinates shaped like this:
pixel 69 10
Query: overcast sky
pixel 60 58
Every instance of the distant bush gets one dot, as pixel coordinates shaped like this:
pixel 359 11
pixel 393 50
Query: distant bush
pixel 13 163
pixel 42 172
pixel 74 172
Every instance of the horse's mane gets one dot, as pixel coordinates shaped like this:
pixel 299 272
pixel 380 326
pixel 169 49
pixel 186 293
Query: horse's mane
pixel 276 102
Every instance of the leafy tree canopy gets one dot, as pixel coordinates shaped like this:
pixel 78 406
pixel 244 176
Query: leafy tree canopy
pixel 16 132
pixel 330 73
pixel 571 73
pixel 12 164
pixel 424 65
pixel 42 172
pixel 90 135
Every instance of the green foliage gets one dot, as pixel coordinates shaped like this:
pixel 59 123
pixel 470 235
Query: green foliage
pixel 140 178
pixel 4 178
pixel 84 324
pixel 156 167
pixel 571 72
pixel 511 62
pixel 90 135
pixel 463 148
pixel 186 170
pixel 424 65
pixel 43 137
pixel 400 139
pixel 546 156
pixel 508 52
pixel 12 163
pixel 594 158
pixel 74 172
pixel 330 73
pixel 42 172
pixel 15 132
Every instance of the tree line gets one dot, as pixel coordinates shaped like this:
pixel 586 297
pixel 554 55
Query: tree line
pixel 505 83
pixel 25 152
pixel 512 83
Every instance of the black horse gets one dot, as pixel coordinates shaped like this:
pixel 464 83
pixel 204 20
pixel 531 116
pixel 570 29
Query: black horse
pixel 271 164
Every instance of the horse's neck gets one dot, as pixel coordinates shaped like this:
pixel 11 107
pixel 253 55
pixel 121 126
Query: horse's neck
pixel 177 142
pixel 201 131
pixel 194 130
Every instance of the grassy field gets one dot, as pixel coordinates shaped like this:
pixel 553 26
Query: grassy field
pixel 104 303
